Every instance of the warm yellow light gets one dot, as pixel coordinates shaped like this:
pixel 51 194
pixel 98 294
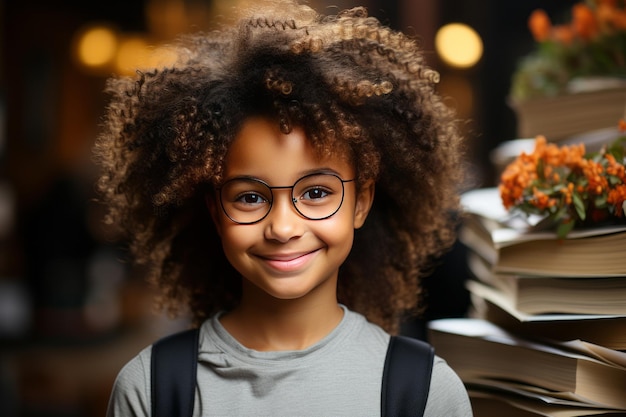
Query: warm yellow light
pixel 96 46
pixel 160 57
pixel 458 45
pixel 132 54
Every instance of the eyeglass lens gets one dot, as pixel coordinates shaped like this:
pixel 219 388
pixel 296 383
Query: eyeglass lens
pixel 249 200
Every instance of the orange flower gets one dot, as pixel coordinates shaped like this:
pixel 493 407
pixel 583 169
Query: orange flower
pixel 540 25
pixel 541 200
pixel 515 179
pixel 589 43
pixel 605 13
pixel 567 193
pixel 584 23
pixel 610 3
pixel 622 125
pixel 610 16
pixel 619 21
pixel 617 197
pixel 594 172
pixel 614 168
pixel 563 34
pixel 554 180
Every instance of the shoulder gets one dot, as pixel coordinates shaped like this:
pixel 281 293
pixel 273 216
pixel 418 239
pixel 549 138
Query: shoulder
pixel 131 391
pixel 447 395
pixel 363 330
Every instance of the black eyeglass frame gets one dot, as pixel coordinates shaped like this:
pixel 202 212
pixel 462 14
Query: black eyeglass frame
pixel 285 187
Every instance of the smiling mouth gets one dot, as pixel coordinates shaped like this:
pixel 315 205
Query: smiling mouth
pixel 288 263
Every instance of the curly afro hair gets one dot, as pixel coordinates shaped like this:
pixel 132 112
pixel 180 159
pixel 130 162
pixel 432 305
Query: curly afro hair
pixel 351 83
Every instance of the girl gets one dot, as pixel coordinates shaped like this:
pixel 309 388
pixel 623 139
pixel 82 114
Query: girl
pixel 245 178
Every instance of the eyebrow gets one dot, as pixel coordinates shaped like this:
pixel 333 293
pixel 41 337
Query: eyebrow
pixel 300 175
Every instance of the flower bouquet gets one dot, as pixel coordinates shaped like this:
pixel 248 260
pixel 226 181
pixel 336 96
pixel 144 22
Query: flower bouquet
pixel 574 81
pixel 591 44
pixel 567 187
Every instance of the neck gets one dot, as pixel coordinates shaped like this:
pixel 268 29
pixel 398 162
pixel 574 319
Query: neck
pixel 264 323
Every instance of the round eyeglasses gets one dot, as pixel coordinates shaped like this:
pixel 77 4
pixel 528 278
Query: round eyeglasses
pixel 249 200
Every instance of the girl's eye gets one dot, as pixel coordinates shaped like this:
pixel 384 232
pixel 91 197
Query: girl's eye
pixel 315 193
pixel 250 199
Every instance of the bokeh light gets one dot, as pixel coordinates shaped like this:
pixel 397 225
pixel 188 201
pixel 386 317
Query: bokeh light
pixel 96 46
pixel 458 45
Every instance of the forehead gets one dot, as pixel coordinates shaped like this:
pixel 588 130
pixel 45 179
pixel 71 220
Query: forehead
pixel 261 150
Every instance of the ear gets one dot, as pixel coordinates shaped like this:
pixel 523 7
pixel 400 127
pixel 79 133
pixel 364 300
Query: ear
pixel 212 204
pixel 364 200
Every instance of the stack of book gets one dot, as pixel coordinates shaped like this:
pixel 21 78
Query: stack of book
pixel 547 334
pixel 566 115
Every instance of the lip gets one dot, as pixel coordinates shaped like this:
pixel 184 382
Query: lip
pixel 288 262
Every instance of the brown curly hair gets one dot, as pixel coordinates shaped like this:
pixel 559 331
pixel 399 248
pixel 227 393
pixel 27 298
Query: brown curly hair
pixel 348 81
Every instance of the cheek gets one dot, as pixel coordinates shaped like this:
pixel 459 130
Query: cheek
pixel 235 237
pixel 338 230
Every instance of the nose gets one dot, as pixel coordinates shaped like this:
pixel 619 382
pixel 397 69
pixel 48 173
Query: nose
pixel 283 222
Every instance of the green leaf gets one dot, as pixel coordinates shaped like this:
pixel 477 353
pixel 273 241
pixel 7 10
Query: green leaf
pixel 617 148
pixel 564 228
pixel 579 205
pixel 556 188
pixel 613 180
pixel 540 169
pixel 595 156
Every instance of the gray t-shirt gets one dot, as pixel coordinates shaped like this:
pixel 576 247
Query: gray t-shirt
pixel 339 376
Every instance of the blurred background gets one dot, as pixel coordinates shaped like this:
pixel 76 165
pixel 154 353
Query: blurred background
pixel 71 313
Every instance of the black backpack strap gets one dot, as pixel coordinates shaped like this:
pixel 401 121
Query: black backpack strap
pixel 406 377
pixel 173 366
